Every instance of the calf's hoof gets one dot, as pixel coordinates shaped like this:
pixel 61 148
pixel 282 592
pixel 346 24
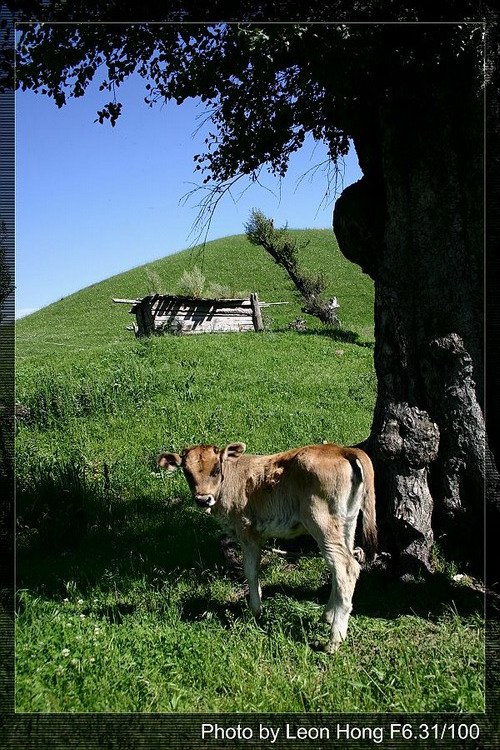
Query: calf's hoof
pixel 327 617
pixel 331 647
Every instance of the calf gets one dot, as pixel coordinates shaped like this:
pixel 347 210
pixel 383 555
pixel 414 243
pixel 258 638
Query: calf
pixel 317 490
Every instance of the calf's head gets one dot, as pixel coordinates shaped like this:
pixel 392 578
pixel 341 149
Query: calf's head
pixel 204 467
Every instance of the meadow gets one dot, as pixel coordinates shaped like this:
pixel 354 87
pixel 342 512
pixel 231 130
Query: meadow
pixel 125 601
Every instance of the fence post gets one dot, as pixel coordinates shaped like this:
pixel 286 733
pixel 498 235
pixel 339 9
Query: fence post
pixel 144 317
pixel 256 313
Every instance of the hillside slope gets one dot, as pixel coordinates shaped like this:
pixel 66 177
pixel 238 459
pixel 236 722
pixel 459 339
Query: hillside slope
pixel 89 319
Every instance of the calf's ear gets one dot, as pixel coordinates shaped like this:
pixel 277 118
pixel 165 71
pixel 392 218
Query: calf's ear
pixel 233 451
pixel 169 461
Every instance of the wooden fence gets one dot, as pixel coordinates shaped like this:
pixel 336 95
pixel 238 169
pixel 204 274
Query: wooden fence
pixel 159 312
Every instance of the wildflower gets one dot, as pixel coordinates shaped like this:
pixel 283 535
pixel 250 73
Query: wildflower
pixel 97 631
pixel 92 659
pixel 65 652
pixel 82 617
pixel 80 601
pixel 74 662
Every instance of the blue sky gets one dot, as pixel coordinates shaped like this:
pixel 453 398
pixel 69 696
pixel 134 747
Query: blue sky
pixel 93 201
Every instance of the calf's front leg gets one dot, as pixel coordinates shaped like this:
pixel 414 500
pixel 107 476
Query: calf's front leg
pixel 251 562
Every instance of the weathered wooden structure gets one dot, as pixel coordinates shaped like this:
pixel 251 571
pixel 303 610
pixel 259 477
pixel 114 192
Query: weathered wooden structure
pixel 160 312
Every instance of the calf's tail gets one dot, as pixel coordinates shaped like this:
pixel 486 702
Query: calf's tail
pixel 369 525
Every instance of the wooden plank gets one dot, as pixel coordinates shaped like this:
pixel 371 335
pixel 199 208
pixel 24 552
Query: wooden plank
pixel 139 317
pixel 168 314
pixel 175 313
pixel 224 329
pixel 189 301
pixel 233 324
pixel 172 305
pixel 199 308
pixel 145 319
pixel 126 301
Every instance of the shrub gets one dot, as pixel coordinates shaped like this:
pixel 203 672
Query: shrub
pixel 154 282
pixel 219 291
pixel 192 282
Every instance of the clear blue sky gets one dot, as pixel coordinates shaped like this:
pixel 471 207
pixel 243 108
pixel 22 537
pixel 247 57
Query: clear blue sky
pixel 93 201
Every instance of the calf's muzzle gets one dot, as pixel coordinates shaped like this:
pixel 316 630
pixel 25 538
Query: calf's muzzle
pixel 204 501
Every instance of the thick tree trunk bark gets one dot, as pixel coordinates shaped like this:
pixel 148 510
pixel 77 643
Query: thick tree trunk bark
pixel 414 223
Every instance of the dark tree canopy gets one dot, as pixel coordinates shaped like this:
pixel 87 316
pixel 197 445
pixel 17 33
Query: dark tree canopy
pixel 265 86
pixel 410 96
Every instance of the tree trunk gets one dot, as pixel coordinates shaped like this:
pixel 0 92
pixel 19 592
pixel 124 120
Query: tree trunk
pixel 414 222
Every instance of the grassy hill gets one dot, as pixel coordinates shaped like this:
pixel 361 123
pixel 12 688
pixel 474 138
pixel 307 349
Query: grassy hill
pixel 88 318
pixel 125 603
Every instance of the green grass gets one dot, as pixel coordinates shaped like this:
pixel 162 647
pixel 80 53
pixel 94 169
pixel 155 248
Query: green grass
pixel 159 656
pixel 125 603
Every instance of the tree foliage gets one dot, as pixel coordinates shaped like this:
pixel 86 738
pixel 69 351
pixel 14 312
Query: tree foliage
pixel 265 87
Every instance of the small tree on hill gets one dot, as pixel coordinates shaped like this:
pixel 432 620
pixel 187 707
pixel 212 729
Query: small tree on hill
pixel 284 249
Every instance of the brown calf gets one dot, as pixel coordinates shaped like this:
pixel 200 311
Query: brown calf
pixel 317 490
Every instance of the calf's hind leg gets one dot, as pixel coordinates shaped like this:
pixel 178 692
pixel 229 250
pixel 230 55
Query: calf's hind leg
pixel 345 572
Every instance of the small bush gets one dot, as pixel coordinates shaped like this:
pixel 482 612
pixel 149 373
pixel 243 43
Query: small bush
pixel 219 291
pixel 154 282
pixel 192 282
pixel 299 324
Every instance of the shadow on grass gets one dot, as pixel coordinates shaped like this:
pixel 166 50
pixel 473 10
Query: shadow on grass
pixel 378 595
pixel 114 555
pixel 197 608
pixel 346 337
pixel 73 530
pixel 384 595
pixel 335 334
pixel 70 530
